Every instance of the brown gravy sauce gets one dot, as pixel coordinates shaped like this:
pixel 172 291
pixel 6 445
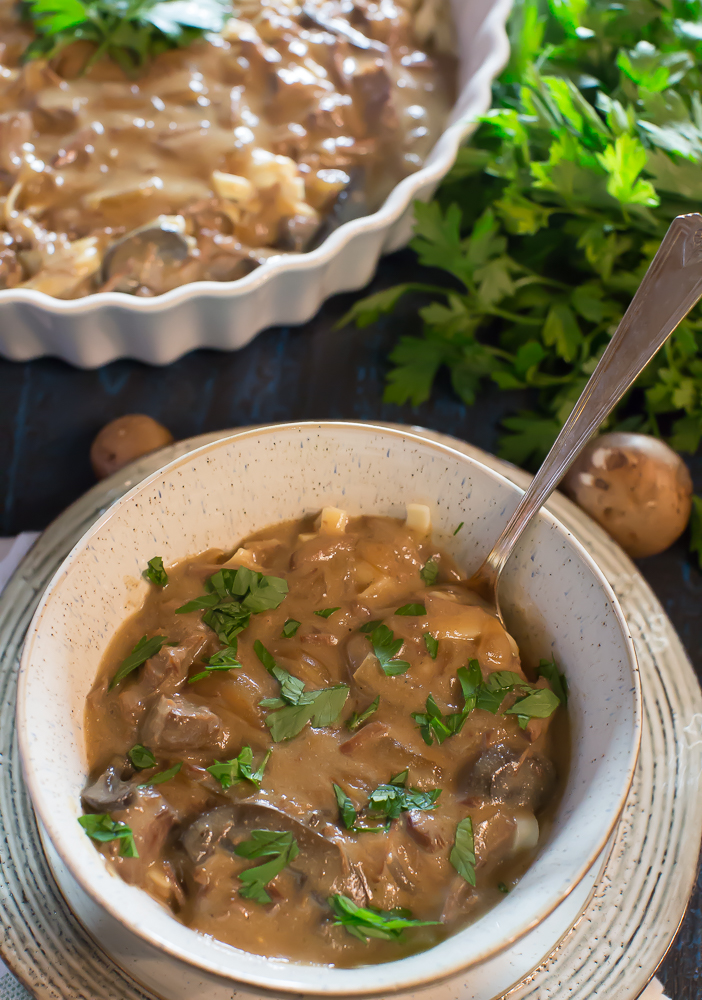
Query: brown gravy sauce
pixel 505 778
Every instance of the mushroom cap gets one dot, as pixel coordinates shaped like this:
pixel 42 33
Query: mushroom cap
pixel 636 487
pixel 125 439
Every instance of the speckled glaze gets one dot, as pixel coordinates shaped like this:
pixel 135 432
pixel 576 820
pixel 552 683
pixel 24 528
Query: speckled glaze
pixel 560 603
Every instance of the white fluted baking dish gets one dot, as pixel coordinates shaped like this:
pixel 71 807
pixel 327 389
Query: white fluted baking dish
pixel 97 329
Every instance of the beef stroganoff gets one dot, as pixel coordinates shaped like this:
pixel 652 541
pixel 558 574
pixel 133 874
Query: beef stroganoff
pixel 120 172
pixel 322 747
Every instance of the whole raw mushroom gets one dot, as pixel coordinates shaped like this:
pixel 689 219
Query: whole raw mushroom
pixel 636 487
pixel 125 439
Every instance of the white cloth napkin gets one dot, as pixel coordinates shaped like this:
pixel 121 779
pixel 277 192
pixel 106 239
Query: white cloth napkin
pixel 11 552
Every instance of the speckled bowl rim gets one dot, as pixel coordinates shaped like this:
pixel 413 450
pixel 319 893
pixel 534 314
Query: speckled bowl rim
pixel 436 166
pixel 275 987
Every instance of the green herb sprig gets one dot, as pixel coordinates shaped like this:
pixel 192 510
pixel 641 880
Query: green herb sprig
pixel 231 772
pixel 296 707
pixel 281 848
pixel 143 651
pixel 462 855
pixel 548 221
pixel 365 923
pixel 155 573
pixel 101 827
pixel 386 647
pixel 358 718
pixel 131 32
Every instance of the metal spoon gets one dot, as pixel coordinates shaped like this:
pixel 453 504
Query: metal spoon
pixel 670 288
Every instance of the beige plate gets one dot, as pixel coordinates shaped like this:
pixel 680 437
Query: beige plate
pixel 624 928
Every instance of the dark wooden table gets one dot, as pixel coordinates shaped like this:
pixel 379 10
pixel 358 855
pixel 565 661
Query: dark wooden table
pixel 50 412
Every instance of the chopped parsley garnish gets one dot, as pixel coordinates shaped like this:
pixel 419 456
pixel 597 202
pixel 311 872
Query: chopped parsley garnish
pixel 356 720
pixel 143 651
pixel 432 644
pixel 434 725
pixel 557 680
pixel 502 887
pixel 386 647
pixel 370 626
pixel 367 923
pixel 411 609
pixel 326 612
pixel 281 848
pixel 459 527
pixel 430 572
pixel 101 827
pixel 462 855
pixel 535 703
pixel 161 776
pixel 231 772
pixel 155 572
pixel 387 801
pixel 346 809
pixel 233 595
pixel 141 757
pixel 225 659
pixel 540 704
pixel 296 707
pixel 130 34
pixel 290 628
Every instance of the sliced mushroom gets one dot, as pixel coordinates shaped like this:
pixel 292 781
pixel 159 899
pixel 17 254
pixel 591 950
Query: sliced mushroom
pixel 319 860
pixel 108 792
pixel 351 203
pixel 164 238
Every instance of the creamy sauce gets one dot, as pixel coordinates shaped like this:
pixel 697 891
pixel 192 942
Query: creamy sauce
pixel 253 142
pixel 505 778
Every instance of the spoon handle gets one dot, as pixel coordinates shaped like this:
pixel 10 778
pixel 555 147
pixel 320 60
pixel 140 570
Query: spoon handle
pixel 671 286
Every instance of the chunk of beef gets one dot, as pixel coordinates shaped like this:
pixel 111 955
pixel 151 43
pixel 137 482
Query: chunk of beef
pixel 108 792
pixel 372 90
pixel 174 723
pixel 164 673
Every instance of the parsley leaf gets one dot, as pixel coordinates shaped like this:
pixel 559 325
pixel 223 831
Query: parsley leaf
pixel 370 626
pixel 411 609
pixel 131 34
pixel 158 779
pixel 462 855
pixel 386 647
pixel 539 704
pixel 326 612
pixel 430 572
pixel 357 720
pixel 459 527
pixel 155 572
pixel 100 827
pixel 231 772
pixel 280 847
pixel 141 757
pixel 346 809
pixel 143 651
pixel 557 680
pixel 290 628
pixel 225 659
pixel 432 644
pixel 366 923
pixel 297 706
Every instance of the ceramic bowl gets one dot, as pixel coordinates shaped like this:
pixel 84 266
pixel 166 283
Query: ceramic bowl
pixel 556 599
pixel 97 329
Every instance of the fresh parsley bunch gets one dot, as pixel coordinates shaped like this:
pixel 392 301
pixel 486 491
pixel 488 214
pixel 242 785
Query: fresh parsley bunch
pixel 548 221
pixel 129 31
